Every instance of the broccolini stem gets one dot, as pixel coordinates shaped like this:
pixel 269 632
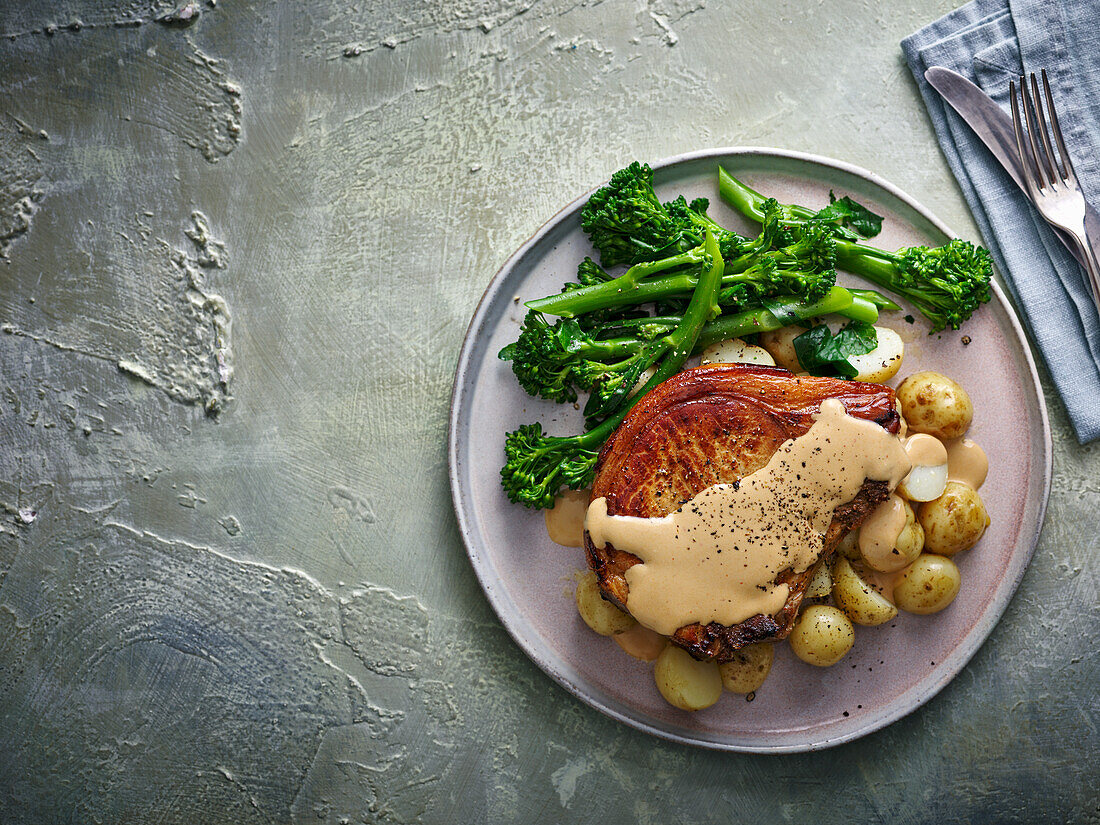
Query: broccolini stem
pixel 702 308
pixel 876 265
pixel 610 348
pixel 647 268
pixel 613 294
pixel 762 320
pixel 874 297
pixel 861 310
pixel 737 324
pixel 750 203
pixel 849 254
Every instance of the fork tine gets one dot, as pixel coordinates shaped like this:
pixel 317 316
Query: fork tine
pixel 1032 128
pixel 1025 156
pixel 1056 176
pixel 1067 164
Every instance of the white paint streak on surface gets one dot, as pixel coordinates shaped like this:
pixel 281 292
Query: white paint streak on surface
pixel 61 18
pixel 351 502
pixel 185 347
pixel 21 180
pixel 564 779
pixel 671 38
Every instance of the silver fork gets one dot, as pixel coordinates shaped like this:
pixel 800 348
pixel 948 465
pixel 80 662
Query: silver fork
pixel 1052 188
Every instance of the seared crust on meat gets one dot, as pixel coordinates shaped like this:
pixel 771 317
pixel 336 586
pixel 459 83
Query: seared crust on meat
pixel 715 425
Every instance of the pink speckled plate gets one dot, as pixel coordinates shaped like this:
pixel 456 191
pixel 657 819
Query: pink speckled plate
pixel 892 669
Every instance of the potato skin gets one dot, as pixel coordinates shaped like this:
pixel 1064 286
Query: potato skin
pixel 822 636
pixel 928 585
pixel 598 613
pixel 685 682
pixel 780 344
pixel 953 522
pixel 860 602
pixel 849 546
pixel 736 351
pixel 748 668
pixel 821 583
pixel 935 404
pixel 910 543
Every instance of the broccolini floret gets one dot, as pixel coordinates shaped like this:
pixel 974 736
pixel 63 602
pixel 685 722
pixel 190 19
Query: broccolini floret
pixel 628 224
pixel 946 284
pixel 538 465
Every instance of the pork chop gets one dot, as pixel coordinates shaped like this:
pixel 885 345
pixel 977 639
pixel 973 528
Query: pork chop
pixel 715 425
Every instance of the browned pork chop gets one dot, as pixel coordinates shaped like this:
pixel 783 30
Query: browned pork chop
pixel 714 425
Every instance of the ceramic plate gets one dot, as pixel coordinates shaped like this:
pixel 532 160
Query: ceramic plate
pixel 893 668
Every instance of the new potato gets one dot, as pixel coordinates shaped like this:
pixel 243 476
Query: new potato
pixel 685 682
pixel 880 364
pixel 736 351
pixel 860 602
pixel 822 636
pixel 953 522
pixel 883 362
pixel 821 582
pixel 928 585
pixel 780 344
pixel 748 669
pixel 849 545
pixel 932 403
pixel 907 546
pixel 598 613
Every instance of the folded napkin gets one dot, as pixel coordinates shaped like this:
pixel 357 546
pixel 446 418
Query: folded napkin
pixel 992 42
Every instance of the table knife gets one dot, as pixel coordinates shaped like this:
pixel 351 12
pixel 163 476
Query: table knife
pixel 994 127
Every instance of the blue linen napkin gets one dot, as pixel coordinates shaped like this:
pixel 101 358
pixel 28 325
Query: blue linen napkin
pixel 992 42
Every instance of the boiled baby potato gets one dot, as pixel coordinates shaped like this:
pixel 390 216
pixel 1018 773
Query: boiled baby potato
pixel 860 602
pixel 736 351
pixel 929 474
pixel 883 362
pixel 932 403
pixel 822 636
pixel 821 583
pixel 924 483
pixel 685 682
pixel 955 521
pixel 849 545
pixel 780 344
pixel 748 668
pixel 910 543
pixel 598 613
pixel 905 549
pixel 928 585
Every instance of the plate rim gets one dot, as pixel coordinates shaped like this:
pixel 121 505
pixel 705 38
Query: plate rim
pixel 958 658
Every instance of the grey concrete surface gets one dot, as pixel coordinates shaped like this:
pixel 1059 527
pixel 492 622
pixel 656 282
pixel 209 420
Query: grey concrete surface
pixel 240 248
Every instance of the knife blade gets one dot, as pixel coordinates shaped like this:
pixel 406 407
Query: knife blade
pixel 993 126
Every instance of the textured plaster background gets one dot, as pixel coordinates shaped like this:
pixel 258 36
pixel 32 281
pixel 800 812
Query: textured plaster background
pixel 239 246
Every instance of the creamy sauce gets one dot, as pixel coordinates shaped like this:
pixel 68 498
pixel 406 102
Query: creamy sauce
pixel 879 533
pixel 641 642
pixel 966 463
pixel 565 520
pixel 925 450
pixel 716 558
